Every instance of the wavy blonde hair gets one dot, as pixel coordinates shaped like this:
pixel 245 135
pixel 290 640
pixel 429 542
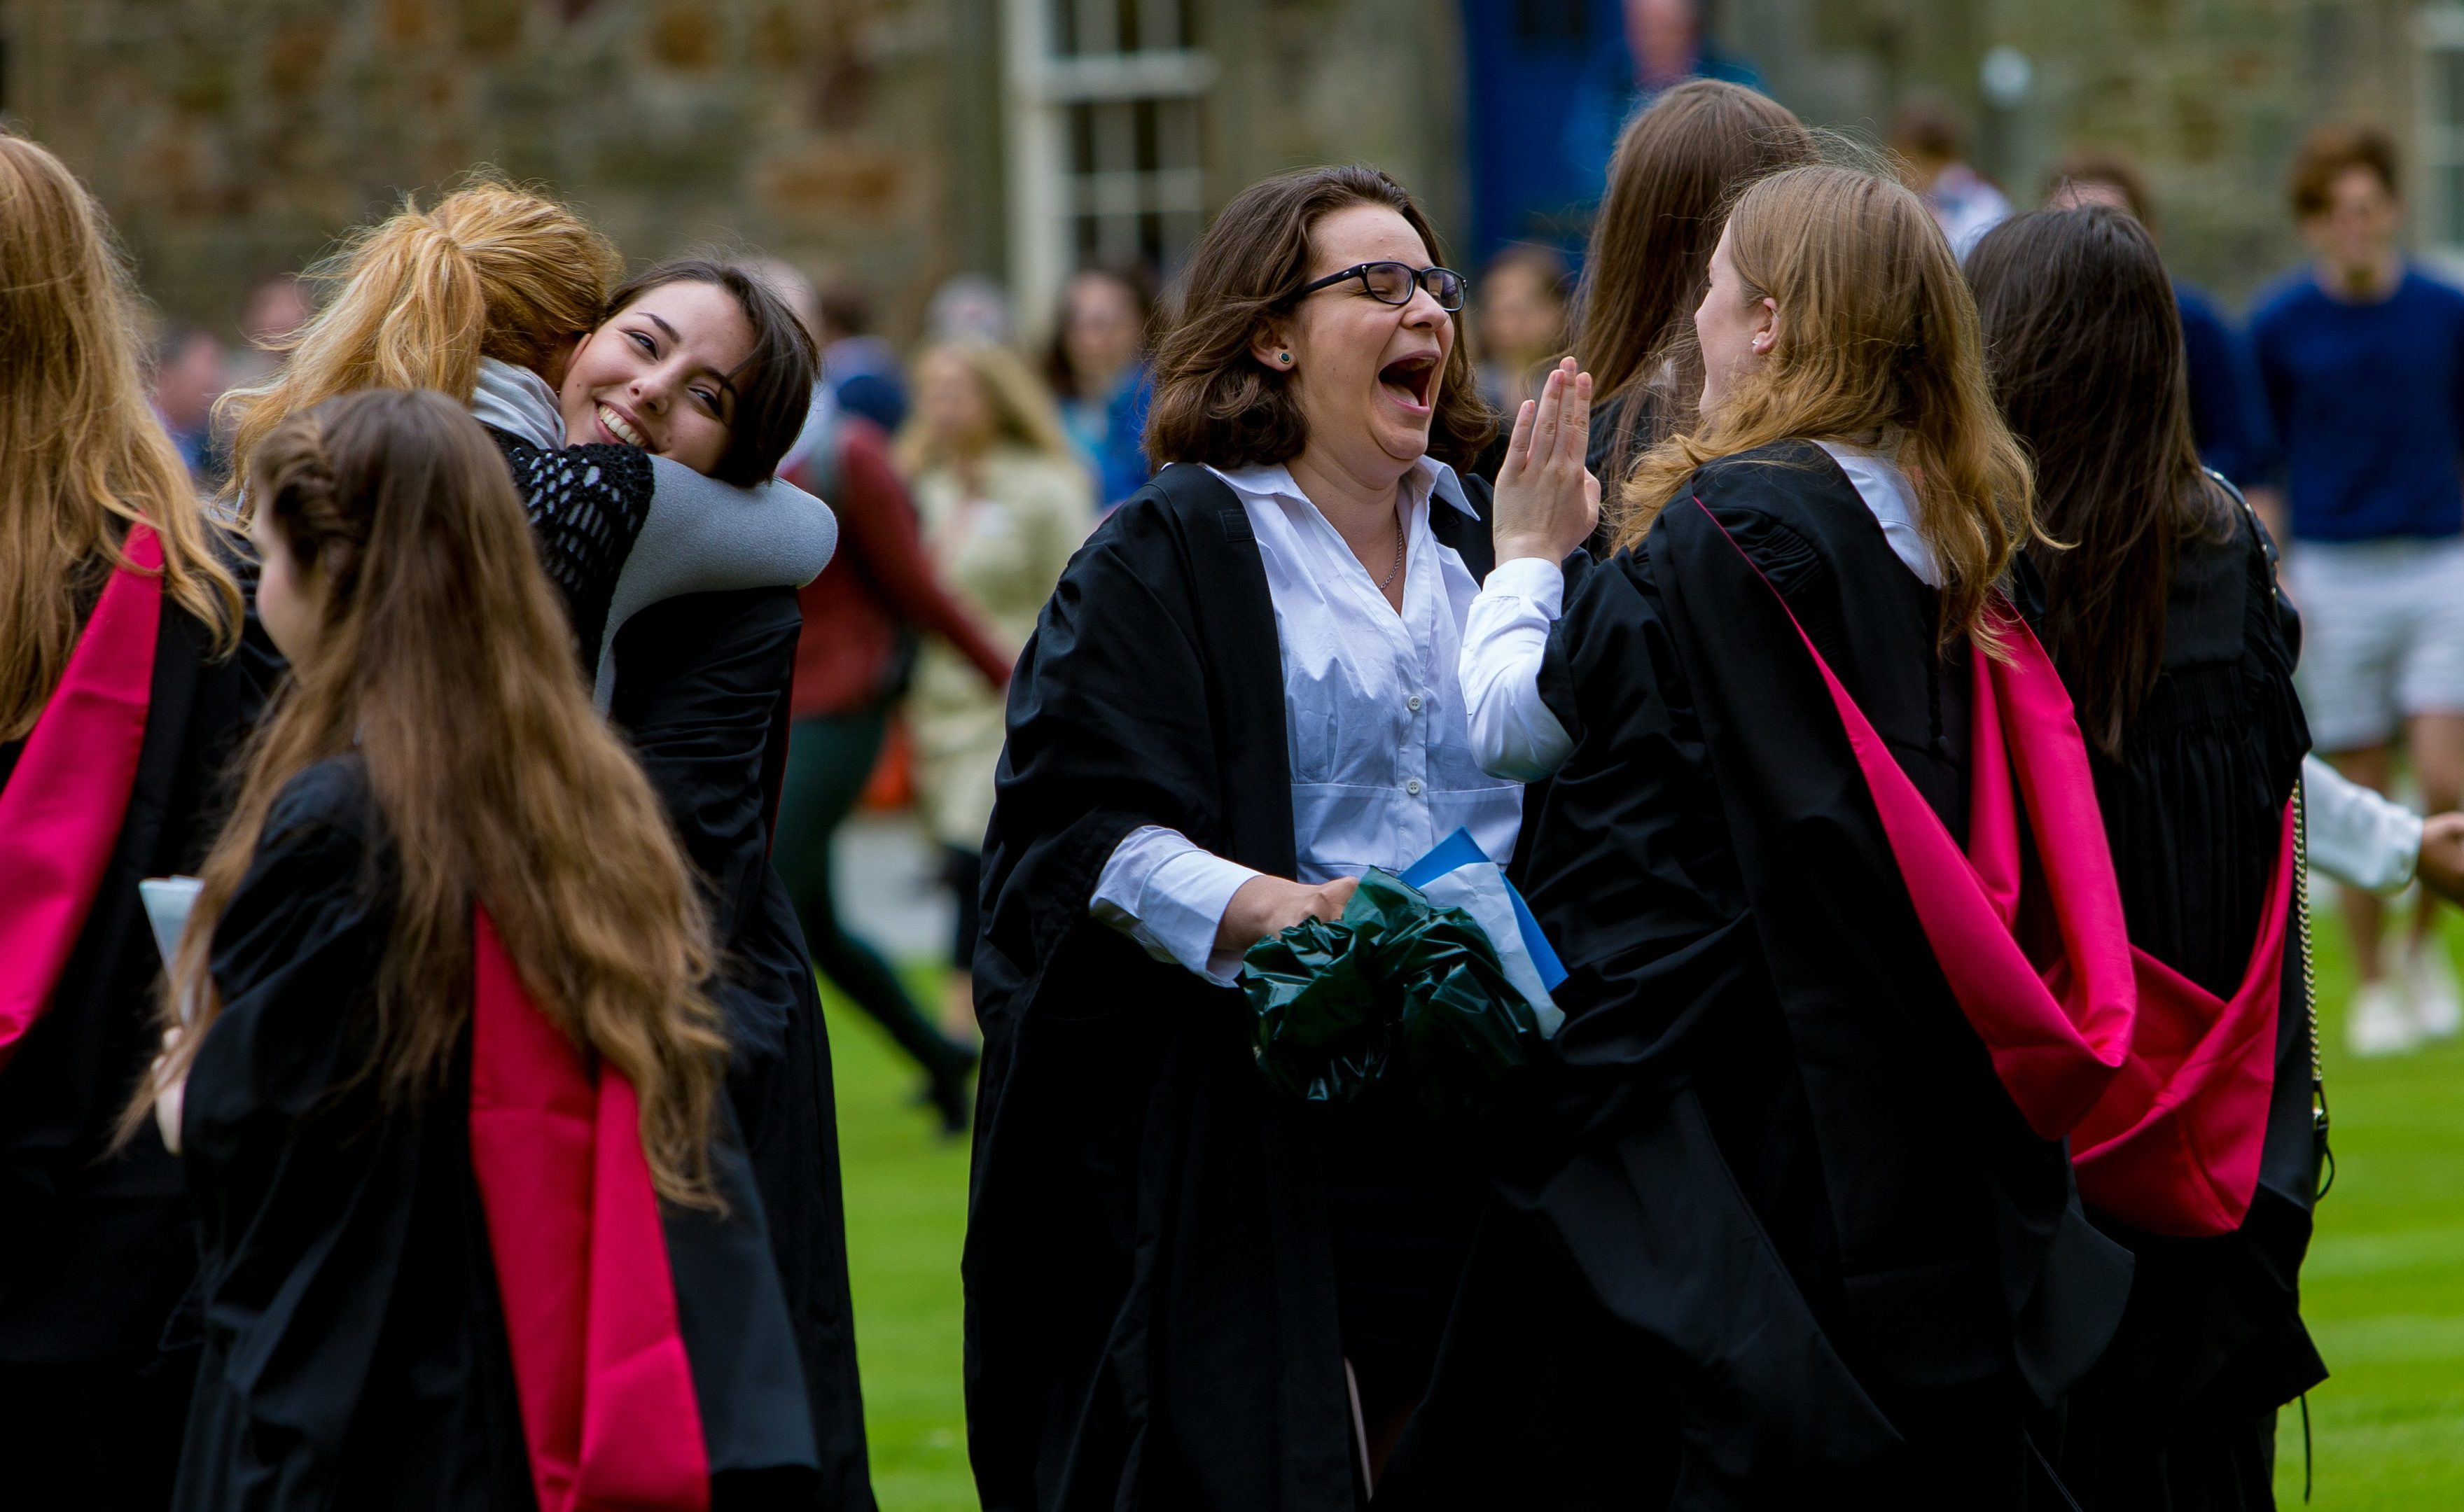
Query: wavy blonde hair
pixel 1024 413
pixel 417 300
pixel 445 663
pixel 86 457
pixel 1878 336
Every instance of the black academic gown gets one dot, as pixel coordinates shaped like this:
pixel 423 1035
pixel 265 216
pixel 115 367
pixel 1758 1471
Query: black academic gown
pixel 2181 1412
pixel 702 699
pixel 97 1251
pixel 355 1352
pixel 1153 1318
pixel 1778 1238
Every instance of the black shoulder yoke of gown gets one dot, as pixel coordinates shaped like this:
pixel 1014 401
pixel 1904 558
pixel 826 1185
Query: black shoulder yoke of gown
pixel 1779 1154
pixel 1151 1317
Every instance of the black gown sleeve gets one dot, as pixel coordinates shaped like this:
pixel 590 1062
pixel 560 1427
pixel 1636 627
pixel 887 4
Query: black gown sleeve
pixel 301 1187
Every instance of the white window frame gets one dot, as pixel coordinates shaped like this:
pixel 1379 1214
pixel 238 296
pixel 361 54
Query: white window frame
pixel 2439 31
pixel 1047 195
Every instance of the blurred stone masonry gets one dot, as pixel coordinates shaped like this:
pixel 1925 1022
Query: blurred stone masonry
pixel 903 142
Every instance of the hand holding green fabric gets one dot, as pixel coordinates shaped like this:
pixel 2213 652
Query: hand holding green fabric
pixel 1398 990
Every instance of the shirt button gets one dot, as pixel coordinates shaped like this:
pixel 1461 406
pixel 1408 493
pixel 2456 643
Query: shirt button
pixel 1413 787
pixel 1413 703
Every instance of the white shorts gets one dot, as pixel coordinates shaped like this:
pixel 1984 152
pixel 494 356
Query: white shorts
pixel 2381 635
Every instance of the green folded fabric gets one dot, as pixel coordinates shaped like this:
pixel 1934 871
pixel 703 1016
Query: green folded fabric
pixel 1398 991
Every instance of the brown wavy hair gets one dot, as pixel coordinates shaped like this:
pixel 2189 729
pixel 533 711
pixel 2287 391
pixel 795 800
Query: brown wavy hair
pixel 1877 338
pixel 1678 167
pixel 415 300
pixel 85 458
pixel 2085 341
pixel 1213 402
pixel 445 663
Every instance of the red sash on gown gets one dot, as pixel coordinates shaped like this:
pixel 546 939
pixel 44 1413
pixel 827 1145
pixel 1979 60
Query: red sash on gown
pixel 608 1409
pixel 61 811
pixel 2174 1145
pixel 2163 1087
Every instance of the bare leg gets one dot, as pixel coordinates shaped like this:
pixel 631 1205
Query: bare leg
pixel 2365 917
pixel 959 1009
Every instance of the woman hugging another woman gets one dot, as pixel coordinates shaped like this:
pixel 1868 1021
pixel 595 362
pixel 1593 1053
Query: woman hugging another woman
pixel 680 594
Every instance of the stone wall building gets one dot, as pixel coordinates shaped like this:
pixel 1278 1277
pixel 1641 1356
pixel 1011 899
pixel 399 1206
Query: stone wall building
pixel 908 141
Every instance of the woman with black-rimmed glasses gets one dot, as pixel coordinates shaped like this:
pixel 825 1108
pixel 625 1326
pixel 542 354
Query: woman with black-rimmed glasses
pixel 1182 1289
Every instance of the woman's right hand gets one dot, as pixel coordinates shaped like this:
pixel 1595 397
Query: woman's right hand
pixel 1548 502
pixel 1265 906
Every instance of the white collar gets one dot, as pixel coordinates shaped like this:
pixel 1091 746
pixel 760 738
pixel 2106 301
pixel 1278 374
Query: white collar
pixel 1427 478
pixel 517 401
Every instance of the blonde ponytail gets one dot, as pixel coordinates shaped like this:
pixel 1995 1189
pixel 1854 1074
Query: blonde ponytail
pixel 416 301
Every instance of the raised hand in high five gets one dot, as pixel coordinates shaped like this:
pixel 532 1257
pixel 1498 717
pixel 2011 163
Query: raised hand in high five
pixel 1548 502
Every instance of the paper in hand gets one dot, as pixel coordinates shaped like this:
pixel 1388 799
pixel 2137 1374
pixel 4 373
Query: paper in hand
pixel 1458 874
pixel 167 900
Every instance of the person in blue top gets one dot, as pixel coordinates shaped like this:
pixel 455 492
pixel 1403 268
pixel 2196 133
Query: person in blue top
pixel 2229 420
pixel 1664 45
pixel 1097 367
pixel 2362 358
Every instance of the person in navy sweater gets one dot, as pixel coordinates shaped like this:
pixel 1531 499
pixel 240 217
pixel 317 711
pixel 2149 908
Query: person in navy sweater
pixel 2362 358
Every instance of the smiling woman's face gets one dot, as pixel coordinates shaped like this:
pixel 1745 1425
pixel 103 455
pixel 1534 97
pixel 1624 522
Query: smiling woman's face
pixel 1366 373
pixel 656 375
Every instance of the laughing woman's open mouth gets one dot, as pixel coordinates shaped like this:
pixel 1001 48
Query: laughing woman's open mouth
pixel 1409 380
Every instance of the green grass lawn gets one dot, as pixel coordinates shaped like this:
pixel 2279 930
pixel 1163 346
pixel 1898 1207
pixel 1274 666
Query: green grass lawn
pixel 2384 1287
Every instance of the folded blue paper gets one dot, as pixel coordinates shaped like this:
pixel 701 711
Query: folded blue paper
pixel 1479 887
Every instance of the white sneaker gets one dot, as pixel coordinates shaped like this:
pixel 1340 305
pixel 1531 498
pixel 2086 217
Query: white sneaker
pixel 2379 1021
pixel 2429 980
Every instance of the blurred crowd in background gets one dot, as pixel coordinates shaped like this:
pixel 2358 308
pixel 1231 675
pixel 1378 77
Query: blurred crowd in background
pixel 967 466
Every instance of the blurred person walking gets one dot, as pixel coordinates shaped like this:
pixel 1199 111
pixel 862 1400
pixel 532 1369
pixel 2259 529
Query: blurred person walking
pixel 475 1226
pixel 1237 699
pixel 1005 504
pixel 1098 369
pixel 854 663
pixel 1520 301
pixel 124 688
pixel 2362 359
pixel 1679 165
pixel 680 588
pixel 188 374
pixel 861 373
pixel 1664 47
pixel 2228 411
pixel 2162 616
pixel 1932 146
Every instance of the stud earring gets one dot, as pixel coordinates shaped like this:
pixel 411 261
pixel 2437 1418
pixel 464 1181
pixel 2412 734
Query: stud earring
pixel 1285 358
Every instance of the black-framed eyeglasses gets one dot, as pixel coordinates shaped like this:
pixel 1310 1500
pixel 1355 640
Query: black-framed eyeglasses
pixel 1393 283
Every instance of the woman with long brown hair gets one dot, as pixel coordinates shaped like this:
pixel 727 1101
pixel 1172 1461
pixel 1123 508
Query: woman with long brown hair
pixel 1801 1193
pixel 1678 166
pixel 680 590
pixel 122 690
pixel 2162 613
pixel 453 1109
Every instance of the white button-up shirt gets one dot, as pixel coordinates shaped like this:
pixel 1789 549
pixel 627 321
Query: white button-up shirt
pixel 1374 722
pixel 1513 734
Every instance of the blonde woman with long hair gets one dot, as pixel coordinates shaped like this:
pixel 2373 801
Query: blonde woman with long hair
pixel 1804 1197
pixel 1005 502
pixel 122 690
pixel 678 558
pixel 452 1093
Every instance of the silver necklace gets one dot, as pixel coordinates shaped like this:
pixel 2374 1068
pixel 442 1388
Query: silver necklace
pixel 1387 579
